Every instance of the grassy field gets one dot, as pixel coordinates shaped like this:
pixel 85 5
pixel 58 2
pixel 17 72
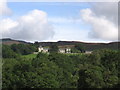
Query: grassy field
pixel 73 54
pixel 30 56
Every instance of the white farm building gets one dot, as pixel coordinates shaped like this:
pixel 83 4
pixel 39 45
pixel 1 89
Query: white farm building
pixel 62 49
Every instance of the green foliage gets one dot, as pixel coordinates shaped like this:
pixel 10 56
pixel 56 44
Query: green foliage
pixel 97 70
pixel 7 52
pixel 100 70
pixel 74 50
pixel 53 49
pixel 23 49
pixel 80 48
pixel 90 77
pixel 36 44
pixel 67 65
pixel 29 56
pixel 48 71
pixel 62 60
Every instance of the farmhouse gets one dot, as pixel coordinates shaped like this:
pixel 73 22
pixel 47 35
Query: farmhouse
pixel 65 48
pixel 43 49
pixel 88 52
pixel 62 49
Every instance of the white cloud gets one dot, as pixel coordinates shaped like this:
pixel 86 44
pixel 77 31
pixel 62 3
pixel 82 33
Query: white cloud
pixel 107 9
pixel 4 10
pixel 31 27
pixel 6 25
pixel 103 21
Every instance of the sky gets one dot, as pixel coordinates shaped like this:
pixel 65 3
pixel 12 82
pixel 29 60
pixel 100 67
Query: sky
pixel 60 21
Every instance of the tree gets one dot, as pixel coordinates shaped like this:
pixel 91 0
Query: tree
pixel 74 50
pixel 55 70
pixel 53 49
pixel 23 49
pixel 36 44
pixel 80 48
pixel 7 52
pixel 90 77
pixel 99 70
pixel 66 64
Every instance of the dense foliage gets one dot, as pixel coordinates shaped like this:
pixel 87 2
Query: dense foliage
pixel 7 52
pixel 23 49
pixel 53 49
pixel 97 70
pixel 80 47
pixel 15 50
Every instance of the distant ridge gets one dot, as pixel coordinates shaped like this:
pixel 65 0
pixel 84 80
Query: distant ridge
pixel 88 46
pixel 9 41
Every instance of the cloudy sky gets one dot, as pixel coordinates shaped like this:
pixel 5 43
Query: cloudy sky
pixel 81 21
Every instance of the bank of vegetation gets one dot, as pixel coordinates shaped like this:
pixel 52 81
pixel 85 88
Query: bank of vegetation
pixel 22 69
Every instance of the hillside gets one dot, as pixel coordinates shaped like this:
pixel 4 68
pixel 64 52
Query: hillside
pixel 87 46
pixel 8 41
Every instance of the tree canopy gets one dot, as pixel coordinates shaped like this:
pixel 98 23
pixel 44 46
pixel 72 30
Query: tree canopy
pixel 99 69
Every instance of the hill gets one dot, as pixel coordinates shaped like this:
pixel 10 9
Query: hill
pixel 87 46
pixel 8 41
